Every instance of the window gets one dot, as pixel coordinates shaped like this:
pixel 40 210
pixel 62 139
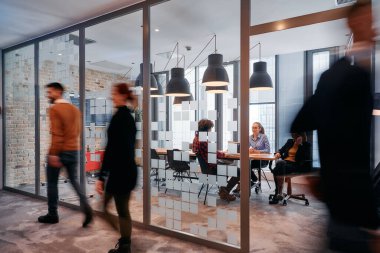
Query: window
pixel 262 104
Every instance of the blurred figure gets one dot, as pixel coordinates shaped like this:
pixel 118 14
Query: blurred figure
pixel 296 157
pixel 340 110
pixel 119 164
pixel 65 128
pixel 201 148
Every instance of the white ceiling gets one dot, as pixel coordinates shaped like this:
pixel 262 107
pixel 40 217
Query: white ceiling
pixel 191 23
pixel 22 20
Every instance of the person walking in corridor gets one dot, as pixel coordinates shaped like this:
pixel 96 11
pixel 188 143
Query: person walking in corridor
pixel 65 128
pixel 341 112
pixel 120 166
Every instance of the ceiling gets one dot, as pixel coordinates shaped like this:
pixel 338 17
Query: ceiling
pixel 191 23
pixel 23 20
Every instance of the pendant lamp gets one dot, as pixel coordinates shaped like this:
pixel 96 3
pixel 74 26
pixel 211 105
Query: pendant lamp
pixel 217 90
pixel 260 79
pixel 153 81
pixel 215 74
pixel 376 105
pixel 178 85
pixel 178 100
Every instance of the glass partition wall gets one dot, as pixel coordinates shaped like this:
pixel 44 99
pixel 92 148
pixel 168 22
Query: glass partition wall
pixel 58 62
pixel 186 191
pixel 113 55
pixel 184 194
pixel 19 101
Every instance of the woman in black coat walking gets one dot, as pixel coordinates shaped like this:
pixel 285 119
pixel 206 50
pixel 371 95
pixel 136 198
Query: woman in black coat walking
pixel 119 165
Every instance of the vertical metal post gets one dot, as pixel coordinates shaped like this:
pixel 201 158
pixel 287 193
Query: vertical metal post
pixel 277 101
pixel 245 17
pixel 219 121
pixel 146 112
pixel 2 121
pixel 196 95
pixel 37 138
pixel 82 105
pixel 236 95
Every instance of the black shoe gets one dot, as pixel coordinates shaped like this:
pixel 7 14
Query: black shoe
pixel 49 219
pixel 88 219
pixel 275 199
pixel 122 246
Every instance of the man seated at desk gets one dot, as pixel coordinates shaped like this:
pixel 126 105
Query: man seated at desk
pixel 296 157
pixel 201 148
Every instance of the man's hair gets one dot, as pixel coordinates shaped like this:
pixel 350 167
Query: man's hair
pixel 205 125
pixel 56 85
pixel 356 7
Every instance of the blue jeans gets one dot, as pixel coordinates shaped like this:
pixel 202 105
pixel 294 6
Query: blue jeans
pixel 69 159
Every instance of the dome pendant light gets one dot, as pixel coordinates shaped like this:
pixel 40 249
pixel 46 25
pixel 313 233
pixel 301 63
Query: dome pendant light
pixel 215 74
pixel 153 81
pixel 178 85
pixel 217 89
pixel 260 79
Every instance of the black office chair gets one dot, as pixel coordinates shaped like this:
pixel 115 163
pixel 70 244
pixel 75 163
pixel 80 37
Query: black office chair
pixel 181 168
pixel 207 171
pixel 154 171
pixel 289 192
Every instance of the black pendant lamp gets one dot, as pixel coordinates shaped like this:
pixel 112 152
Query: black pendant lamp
pixel 376 105
pixel 153 81
pixel 217 90
pixel 178 85
pixel 159 92
pixel 215 74
pixel 178 100
pixel 260 79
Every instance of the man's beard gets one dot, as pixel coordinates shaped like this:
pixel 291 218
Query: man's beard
pixel 51 100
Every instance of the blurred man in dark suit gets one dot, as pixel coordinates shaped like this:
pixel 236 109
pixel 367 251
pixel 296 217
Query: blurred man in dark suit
pixel 341 112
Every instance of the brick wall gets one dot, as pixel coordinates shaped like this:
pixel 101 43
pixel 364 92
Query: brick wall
pixel 20 137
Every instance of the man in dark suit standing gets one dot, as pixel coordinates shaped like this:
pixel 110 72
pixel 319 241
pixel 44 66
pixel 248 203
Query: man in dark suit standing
pixel 341 112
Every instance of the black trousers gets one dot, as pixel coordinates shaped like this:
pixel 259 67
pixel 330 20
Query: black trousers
pixel 282 168
pixel 69 159
pixel 124 221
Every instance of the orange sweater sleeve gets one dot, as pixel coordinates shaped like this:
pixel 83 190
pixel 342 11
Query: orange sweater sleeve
pixel 56 131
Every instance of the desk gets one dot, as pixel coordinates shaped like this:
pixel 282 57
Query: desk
pixel 230 156
pixel 164 151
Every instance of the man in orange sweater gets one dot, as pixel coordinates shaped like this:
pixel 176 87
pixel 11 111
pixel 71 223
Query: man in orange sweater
pixel 65 128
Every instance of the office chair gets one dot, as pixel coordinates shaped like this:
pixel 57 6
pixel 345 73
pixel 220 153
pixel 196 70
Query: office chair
pixel 289 192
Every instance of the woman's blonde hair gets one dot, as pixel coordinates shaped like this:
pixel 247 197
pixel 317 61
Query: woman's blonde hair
pixel 262 131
